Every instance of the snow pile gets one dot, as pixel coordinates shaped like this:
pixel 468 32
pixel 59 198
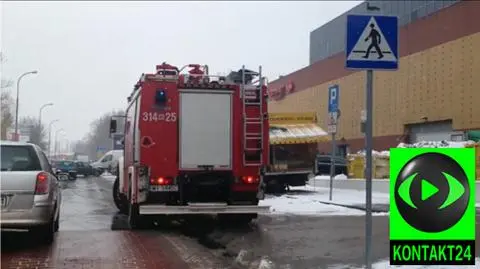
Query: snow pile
pixel 384 153
pixel 325 177
pixel 437 144
pixel 423 144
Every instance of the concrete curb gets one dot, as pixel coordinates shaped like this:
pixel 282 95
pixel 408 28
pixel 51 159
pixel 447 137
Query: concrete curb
pixel 359 207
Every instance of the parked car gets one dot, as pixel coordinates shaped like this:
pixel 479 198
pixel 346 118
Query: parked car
pixel 84 168
pixel 324 162
pixel 65 170
pixel 108 162
pixel 30 194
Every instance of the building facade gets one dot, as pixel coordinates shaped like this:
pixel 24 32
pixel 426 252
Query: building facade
pixel 434 95
pixel 326 41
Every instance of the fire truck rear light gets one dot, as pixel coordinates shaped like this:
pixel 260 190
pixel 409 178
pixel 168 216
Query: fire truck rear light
pixel 250 179
pixel 41 186
pixel 161 181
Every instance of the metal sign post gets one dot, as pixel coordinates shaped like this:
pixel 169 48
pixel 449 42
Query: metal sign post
pixel 372 44
pixel 333 112
pixel 332 166
pixel 368 167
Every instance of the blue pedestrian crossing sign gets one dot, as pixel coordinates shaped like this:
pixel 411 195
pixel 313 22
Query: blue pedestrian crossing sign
pixel 372 42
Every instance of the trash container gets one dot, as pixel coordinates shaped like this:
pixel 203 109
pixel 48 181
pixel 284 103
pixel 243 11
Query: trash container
pixel 380 166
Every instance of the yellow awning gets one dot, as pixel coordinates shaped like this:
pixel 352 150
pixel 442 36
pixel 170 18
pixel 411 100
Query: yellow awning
pixel 299 133
pixel 292 118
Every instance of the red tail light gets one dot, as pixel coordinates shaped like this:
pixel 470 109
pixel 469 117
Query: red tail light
pixel 41 186
pixel 161 181
pixel 250 179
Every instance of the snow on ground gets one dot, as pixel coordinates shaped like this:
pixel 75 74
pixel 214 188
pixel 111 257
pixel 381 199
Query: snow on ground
pixel 350 197
pixel 108 176
pixel 305 206
pixel 386 265
pixel 308 201
pixel 327 177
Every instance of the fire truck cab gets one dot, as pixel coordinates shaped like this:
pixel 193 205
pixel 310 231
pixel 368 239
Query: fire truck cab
pixel 193 144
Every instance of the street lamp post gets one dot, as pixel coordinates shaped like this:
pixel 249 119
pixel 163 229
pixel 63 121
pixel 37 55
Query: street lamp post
pixel 50 137
pixel 55 141
pixel 40 113
pixel 18 98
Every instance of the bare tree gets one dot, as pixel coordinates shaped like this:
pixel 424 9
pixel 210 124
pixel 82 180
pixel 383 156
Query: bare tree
pixel 6 113
pixel 37 133
pixel 99 135
pixel 6 103
pixel 5 83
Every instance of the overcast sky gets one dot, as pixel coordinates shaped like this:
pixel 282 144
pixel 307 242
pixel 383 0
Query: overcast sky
pixel 90 54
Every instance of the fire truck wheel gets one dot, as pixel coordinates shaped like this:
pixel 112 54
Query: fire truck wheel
pixel 120 200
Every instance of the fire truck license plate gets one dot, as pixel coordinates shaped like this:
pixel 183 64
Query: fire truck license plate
pixel 164 188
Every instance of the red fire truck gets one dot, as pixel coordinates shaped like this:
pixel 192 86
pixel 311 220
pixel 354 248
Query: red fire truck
pixel 193 144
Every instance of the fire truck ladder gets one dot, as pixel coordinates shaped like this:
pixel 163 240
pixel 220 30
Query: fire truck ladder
pixel 252 141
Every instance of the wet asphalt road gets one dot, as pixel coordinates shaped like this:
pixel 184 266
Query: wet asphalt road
pixel 93 235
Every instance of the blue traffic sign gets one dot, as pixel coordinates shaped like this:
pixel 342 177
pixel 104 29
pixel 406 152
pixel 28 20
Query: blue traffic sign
pixel 333 97
pixel 372 42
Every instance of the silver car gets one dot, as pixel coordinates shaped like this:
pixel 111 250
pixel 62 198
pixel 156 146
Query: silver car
pixel 30 193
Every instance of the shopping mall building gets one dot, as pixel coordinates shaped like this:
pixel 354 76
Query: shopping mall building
pixel 434 95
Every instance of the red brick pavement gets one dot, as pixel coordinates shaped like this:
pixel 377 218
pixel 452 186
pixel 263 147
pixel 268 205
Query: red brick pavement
pixel 97 250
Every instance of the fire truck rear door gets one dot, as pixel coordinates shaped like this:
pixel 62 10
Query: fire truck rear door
pixel 205 129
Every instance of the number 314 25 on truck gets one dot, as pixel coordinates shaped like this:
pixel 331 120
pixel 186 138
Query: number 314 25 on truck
pixel 193 144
